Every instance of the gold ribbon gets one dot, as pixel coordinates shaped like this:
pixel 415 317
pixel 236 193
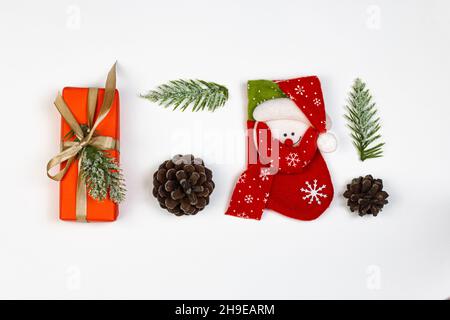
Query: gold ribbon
pixel 70 149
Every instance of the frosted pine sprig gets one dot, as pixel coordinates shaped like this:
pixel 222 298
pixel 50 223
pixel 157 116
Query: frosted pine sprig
pixel 363 122
pixel 183 93
pixel 102 174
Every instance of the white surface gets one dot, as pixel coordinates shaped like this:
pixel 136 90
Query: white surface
pixel 400 48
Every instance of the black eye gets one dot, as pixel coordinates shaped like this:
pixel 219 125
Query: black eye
pixel 292 133
pixel 285 134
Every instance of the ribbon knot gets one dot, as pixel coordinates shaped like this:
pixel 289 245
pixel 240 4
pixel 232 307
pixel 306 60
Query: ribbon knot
pixel 84 142
pixel 71 149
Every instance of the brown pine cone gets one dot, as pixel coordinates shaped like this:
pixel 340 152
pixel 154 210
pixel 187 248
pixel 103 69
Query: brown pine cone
pixel 366 195
pixel 183 185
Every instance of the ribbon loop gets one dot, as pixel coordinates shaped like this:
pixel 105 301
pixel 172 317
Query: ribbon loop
pixel 68 116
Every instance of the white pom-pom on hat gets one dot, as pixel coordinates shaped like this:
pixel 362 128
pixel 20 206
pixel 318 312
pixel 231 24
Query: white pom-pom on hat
pixel 327 142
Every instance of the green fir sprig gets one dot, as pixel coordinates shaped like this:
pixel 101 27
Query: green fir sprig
pixel 183 93
pixel 102 174
pixel 363 122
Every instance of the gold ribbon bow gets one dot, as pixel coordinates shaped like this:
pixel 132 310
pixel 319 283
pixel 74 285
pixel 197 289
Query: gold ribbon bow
pixel 70 149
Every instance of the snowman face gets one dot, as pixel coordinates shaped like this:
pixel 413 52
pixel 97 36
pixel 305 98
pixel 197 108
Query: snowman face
pixel 287 129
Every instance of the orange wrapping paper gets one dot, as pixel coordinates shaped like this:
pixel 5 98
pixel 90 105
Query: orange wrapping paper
pixel 76 99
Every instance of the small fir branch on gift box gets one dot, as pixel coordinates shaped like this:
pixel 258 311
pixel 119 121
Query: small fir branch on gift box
pixel 102 174
pixel 363 122
pixel 182 93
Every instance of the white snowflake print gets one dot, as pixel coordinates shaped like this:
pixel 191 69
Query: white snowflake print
pixel 248 199
pixel 299 90
pixel 313 193
pixel 317 101
pixel 266 197
pixel 292 159
pixel 242 215
pixel 264 175
pixel 242 178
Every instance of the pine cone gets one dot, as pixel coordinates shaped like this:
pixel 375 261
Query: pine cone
pixel 183 185
pixel 366 195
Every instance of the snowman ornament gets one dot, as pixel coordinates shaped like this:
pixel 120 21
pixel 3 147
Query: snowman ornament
pixel 289 130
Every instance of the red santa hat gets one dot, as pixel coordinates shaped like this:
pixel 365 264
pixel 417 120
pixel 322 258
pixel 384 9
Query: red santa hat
pixel 305 104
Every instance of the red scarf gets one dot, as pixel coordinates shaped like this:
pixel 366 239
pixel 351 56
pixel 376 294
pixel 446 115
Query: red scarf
pixel 297 185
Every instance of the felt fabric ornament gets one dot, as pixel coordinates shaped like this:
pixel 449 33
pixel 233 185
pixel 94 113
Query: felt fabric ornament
pixel 287 130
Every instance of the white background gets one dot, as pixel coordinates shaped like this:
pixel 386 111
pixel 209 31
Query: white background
pixel 400 48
